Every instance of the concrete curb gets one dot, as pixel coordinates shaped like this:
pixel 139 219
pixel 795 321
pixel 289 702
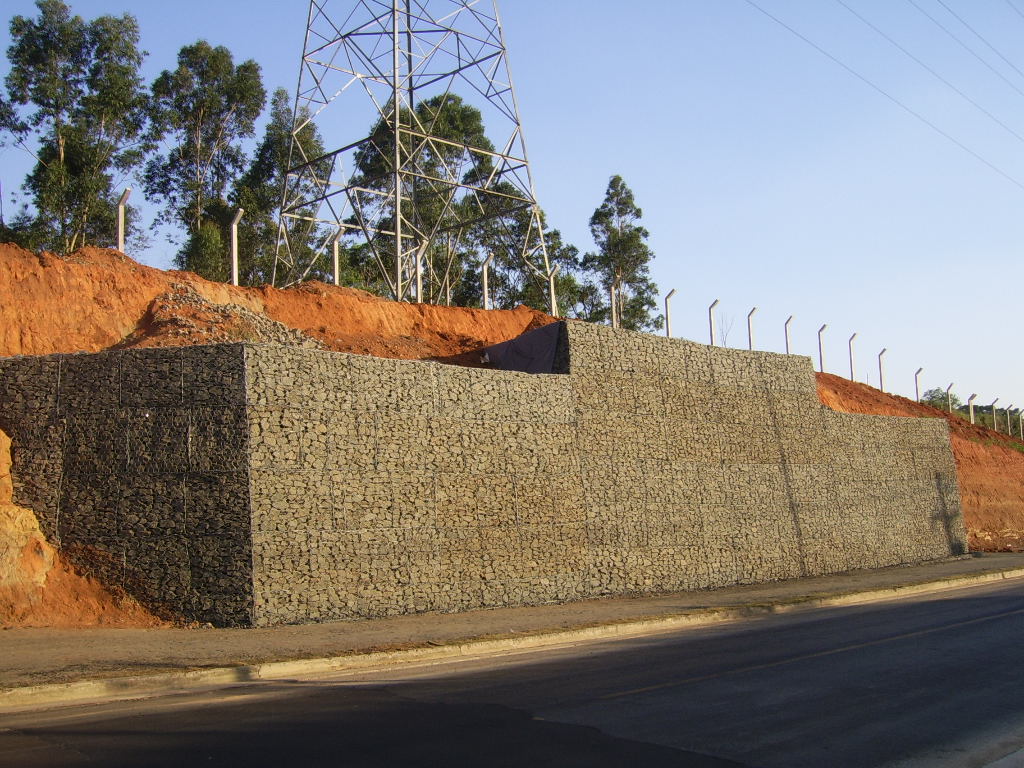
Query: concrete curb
pixel 141 686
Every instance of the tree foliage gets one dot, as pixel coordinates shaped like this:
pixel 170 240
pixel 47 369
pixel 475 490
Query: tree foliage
pixel 204 253
pixel 936 398
pixel 434 208
pixel 74 98
pixel 87 111
pixel 490 226
pixel 205 107
pixel 258 191
pixel 622 260
pixel 515 281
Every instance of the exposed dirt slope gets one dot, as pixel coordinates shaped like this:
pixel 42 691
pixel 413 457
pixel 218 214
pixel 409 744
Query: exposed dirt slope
pixel 990 465
pixel 97 299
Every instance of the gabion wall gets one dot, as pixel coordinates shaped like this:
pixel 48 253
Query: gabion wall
pixel 260 484
pixel 136 464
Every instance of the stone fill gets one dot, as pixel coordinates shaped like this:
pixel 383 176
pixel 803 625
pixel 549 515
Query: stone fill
pixel 136 464
pixel 261 484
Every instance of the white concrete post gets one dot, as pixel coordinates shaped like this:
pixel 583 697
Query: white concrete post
pixel 551 289
pixel 419 272
pixel 711 320
pixel 917 384
pixel 485 275
pixel 120 217
pixel 881 370
pixel 668 314
pixel 995 425
pixel 949 397
pixel 613 302
pixel 234 245
pixel 853 367
pixel 970 406
pixel 336 256
pixel 821 348
pixel 1009 426
pixel 750 328
pixel 789 322
pixel 1020 422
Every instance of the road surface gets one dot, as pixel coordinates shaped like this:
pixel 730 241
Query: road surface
pixel 936 680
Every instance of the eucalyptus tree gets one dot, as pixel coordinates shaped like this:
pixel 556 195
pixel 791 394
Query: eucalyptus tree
pixel 258 190
pixel 204 108
pixel 436 135
pixel 622 260
pixel 445 203
pixel 74 99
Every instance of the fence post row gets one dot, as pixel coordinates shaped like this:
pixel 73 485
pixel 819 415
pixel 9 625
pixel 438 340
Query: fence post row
pixel 787 326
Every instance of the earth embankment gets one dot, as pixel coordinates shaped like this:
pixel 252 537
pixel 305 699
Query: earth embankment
pixel 97 299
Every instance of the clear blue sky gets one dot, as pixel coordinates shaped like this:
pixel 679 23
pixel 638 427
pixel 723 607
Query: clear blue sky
pixel 768 174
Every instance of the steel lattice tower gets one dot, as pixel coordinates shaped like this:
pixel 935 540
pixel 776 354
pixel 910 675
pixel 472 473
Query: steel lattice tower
pixel 383 70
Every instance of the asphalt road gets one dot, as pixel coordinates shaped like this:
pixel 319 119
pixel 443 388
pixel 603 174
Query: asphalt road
pixel 931 681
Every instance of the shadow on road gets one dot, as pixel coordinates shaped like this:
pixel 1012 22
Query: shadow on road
pixel 844 687
pixel 310 724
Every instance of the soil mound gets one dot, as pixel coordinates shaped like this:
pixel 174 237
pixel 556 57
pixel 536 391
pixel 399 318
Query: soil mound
pixel 183 316
pixel 96 299
pixel 990 464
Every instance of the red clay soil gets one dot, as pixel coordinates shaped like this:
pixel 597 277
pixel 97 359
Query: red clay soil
pixel 97 299
pixel 990 464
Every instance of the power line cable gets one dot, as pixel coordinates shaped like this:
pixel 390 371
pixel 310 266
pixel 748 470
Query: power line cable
pixel 887 95
pixel 978 35
pixel 1015 8
pixel 934 74
pixel 966 47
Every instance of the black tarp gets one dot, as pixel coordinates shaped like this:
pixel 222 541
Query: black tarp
pixel 533 352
